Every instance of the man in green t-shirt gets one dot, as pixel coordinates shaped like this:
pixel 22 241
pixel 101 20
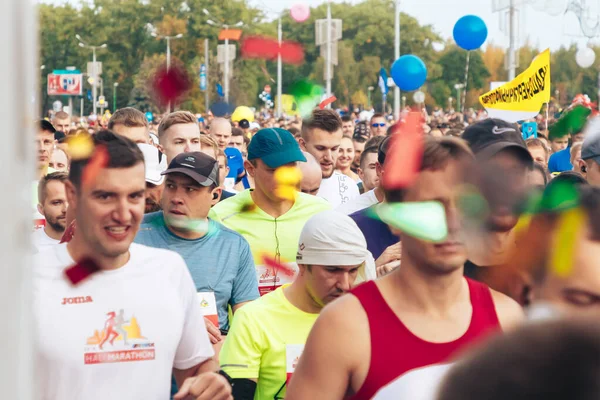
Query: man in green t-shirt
pixel 271 224
pixel 268 335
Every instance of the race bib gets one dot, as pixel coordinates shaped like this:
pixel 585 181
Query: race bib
pixel 208 304
pixel 269 279
pixel 292 356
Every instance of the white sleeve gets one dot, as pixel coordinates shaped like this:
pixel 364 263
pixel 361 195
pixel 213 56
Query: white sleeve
pixel 194 346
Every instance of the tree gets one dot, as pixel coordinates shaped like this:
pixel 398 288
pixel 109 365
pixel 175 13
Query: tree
pixel 359 99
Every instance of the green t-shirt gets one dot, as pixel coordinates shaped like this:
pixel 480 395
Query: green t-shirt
pixel 268 235
pixel 264 343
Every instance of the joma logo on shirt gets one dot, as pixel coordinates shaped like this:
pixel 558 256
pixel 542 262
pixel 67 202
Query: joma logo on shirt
pixel 77 300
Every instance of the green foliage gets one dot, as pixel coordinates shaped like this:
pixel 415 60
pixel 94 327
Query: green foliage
pixel 366 46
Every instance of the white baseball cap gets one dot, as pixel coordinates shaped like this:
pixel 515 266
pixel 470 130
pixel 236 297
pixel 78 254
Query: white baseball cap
pixel 156 163
pixel 332 238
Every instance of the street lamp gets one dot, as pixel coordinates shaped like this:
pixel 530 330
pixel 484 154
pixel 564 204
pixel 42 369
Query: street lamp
pixel 115 85
pixel 82 44
pixel 153 33
pixel 226 68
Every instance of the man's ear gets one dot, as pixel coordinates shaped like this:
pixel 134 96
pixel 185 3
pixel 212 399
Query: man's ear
pixel 379 170
pixel 40 209
pixel 71 192
pixel 250 169
pixel 583 168
pixel 302 144
pixel 361 174
pixel 161 148
pixel 216 195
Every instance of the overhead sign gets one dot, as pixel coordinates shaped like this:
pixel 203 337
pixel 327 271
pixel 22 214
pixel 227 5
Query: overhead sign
pixel 65 84
pixel 523 97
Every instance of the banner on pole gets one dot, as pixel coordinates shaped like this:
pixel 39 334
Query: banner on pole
pixel 523 97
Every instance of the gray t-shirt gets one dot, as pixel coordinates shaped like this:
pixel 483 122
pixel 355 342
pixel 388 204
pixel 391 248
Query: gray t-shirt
pixel 220 261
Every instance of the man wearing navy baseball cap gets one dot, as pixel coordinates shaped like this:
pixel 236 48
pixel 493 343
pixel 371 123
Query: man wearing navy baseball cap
pixel 590 155
pixel 269 222
pixel 502 178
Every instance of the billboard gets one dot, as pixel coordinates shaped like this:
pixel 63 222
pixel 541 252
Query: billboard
pixel 65 84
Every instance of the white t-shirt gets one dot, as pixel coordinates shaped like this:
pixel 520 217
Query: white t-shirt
pixel 418 384
pixel 338 189
pixel 361 202
pixel 118 334
pixel 41 241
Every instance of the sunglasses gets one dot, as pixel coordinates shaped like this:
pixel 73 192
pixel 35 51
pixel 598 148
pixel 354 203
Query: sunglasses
pixel 380 125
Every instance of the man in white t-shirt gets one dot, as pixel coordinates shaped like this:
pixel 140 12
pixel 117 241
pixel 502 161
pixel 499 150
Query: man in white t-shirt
pixel 81 352
pixel 53 206
pixel 321 137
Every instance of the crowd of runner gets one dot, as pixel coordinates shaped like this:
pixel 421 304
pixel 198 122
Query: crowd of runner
pixel 242 259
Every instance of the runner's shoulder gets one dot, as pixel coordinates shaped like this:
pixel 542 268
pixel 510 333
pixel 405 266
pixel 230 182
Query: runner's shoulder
pixel 336 315
pixel 510 313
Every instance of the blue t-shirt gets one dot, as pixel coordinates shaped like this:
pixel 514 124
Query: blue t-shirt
pixel 560 161
pixel 220 261
pixel 378 235
pixel 235 162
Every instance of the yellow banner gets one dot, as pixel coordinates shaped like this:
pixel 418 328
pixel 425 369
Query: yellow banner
pixel 524 96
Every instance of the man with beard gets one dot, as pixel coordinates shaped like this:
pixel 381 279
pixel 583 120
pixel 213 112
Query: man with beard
pixel 53 206
pixel 503 162
pixel 322 137
pixel 156 163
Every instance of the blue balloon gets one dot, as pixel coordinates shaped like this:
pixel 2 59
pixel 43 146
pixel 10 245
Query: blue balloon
pixel 470 32
pixel 409 72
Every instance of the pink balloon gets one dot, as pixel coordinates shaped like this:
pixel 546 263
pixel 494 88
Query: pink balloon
pixel 300 12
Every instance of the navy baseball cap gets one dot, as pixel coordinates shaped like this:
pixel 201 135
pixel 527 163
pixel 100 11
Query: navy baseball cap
pixel 591 148
pixel 201 167
pixel 489 137
pixel 275 146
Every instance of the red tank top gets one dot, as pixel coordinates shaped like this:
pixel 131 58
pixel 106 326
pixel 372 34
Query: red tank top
pixel 395 350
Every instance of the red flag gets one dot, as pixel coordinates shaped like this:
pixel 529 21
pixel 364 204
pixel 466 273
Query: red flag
pixel 327 101
pixel 405 153
pixel 268 49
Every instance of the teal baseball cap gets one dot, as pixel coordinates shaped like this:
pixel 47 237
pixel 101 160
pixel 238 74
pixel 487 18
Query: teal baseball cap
pixel 275 146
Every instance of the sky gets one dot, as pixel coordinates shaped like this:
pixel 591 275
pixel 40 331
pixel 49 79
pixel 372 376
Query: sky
pixel 537 28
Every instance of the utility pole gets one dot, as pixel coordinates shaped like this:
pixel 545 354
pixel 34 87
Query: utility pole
pixel 279 70
pixel 511 46
pixel 397 56
pixel 94 69
pixel 206 62
pixel 328 58
pixel 168 39
pixel 226 53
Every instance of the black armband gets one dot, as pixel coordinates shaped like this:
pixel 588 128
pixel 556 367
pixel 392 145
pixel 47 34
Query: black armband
pixel 243 389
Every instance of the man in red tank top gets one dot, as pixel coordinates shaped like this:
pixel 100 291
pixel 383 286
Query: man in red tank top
pixel 424 313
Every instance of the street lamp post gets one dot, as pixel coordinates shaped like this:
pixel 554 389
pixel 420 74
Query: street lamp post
pixel 226 67
pixel 115 85
pixel 94 69
pixel 168 39
pixel 369 90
